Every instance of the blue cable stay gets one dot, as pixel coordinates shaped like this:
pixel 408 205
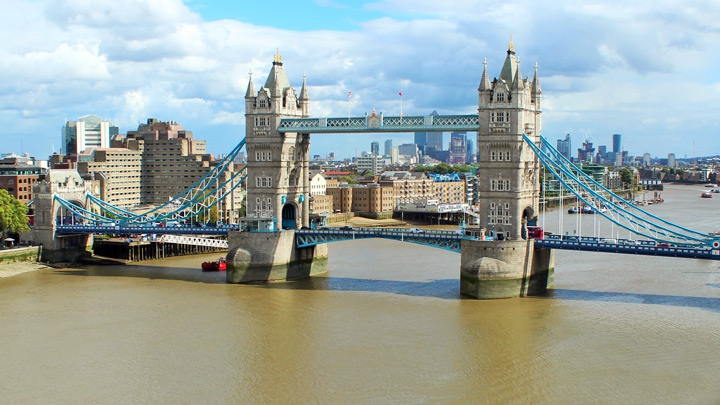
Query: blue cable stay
pixel 636 223
pixel 559 156
pixel 204 194
pixel 634 219
pixel 643 218
pixel 193 194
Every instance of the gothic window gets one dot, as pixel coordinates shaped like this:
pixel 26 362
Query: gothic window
pixel 493 155
pixel 262 103
pixel 257 156
pixel 507 155
pixel 500 97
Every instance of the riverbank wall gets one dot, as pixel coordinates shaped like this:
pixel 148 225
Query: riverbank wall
pixel 20 254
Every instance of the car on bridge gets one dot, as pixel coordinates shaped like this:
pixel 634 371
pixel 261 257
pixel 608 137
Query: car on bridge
pixel 416 230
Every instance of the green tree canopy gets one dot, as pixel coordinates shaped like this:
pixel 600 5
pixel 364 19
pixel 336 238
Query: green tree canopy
pixel 442 168
pixel 626 176
pixel 13 214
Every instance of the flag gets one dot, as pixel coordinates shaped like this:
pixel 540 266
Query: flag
pixel 400 94
pixel 349 94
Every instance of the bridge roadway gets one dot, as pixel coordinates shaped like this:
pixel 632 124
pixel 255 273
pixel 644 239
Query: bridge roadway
pixel 448 240
pixel 138 229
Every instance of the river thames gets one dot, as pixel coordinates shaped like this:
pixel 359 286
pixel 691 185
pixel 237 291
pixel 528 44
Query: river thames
pixel 386 324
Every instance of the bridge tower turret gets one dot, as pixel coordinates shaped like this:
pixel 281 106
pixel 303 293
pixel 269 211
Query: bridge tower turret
pixel 278 171
pixel 509 193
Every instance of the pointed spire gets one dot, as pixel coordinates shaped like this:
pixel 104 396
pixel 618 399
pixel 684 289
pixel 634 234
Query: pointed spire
pixel 518 80
pixel 536 90
pixel 251 89
pixel 484 80
pixel 304 91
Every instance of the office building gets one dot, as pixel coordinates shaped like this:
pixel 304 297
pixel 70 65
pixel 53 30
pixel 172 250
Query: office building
pixel 458 149
pixel 117 171
pixel 87 132
pixel 375 148
pixel 617 143
pixel 388 147
pixel 564 146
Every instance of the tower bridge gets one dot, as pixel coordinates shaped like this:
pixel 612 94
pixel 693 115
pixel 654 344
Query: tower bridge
pixel 511 150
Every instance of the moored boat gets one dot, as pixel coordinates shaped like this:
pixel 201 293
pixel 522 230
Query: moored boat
pixel 705 194
pixel 219 265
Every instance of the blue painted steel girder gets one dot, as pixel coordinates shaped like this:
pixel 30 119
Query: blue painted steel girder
pixel 446 240
pixel 379 123
pixel 637 249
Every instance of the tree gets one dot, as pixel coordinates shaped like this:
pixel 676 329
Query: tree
pixel 13 214
pixel 626 177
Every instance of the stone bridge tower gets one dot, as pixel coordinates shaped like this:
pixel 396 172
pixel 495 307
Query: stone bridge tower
pixel 278 184
pixel 509 106
pixel 70 186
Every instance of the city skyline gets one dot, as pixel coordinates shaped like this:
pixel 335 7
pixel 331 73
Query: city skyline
pixel 645 71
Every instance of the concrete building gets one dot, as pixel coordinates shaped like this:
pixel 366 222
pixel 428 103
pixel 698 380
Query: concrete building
pixel 375 147
pixel 118 173
pixel 671 160
pixel 87 132
pixel 171 161
pixel 370 163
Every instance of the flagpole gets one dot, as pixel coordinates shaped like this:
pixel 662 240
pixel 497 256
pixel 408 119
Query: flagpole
pixel 401 114
pixel 349 95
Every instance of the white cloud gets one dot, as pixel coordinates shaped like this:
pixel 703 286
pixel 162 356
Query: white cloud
pixel 647 70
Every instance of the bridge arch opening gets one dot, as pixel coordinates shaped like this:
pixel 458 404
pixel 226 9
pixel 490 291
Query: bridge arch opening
pixel 528 219
pixel 289 216
pixel 63 216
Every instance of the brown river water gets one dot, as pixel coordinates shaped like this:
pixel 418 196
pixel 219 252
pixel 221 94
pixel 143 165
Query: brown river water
pixel 386 324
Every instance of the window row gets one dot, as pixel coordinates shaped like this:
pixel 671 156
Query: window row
pixel 262 204
pixel 263 156
pixel 500 155
pixel 500 116
pixel 264 182
pixel 499 185
pixel 262 121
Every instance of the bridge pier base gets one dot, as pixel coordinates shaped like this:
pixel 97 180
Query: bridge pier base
pixel 504 269
pixel 271 256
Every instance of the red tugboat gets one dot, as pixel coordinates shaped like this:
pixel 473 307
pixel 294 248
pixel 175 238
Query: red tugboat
pixel 219 265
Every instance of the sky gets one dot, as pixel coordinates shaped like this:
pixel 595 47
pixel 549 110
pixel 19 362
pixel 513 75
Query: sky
pixel 649 70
